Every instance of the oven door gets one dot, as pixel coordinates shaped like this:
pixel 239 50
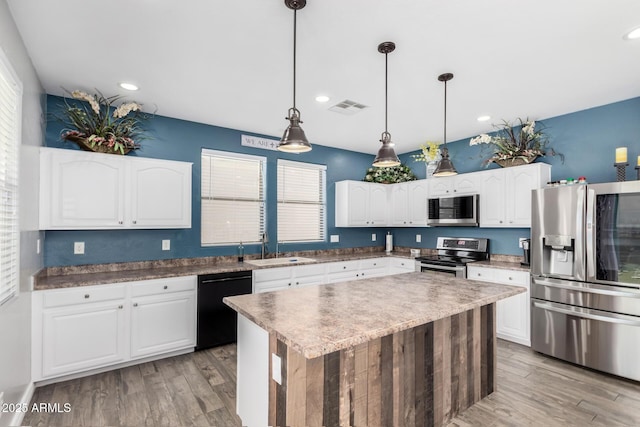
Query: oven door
pixel 613 233
pixel 444 270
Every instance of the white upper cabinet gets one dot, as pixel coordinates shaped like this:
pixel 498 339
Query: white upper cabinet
pixel 506 194
pixel 467 183
pixel 361 204
pixel 81 190
pixel 408 203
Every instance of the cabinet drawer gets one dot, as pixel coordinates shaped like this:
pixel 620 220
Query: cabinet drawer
pixel 479 273
pixel 369 264
pixel 160 286
pixel 510 277
pixel 336 267
pixel 82 295
pixel 271 274
pixel 309 270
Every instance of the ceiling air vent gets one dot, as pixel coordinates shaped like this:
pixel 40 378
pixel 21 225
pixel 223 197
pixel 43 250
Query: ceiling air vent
pixel 348 107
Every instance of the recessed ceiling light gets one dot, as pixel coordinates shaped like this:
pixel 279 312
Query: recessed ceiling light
pixel 322 98
pixel 633 34
pixel 128 86
pixel 484 118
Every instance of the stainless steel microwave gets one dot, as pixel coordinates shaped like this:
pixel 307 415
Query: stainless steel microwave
pixel 453 211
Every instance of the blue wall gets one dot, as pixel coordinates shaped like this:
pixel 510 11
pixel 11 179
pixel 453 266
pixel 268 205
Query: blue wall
pixel 587 139
pixel 182 140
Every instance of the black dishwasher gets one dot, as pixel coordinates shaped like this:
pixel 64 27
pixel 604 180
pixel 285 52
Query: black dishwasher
pixel 217 322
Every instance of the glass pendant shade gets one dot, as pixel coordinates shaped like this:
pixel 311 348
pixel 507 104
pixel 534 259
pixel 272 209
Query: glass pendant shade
pixel 294 140
pixel 445 166
pixel 386 157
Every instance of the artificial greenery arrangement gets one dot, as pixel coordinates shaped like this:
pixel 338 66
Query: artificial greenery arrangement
pixel 97 125
pixel 429 152
pixel 391 175
pixel 516 144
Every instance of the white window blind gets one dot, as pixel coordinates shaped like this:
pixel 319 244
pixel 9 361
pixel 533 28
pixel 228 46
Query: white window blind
pixel 233 198
pixel 10 105
pixel 301 201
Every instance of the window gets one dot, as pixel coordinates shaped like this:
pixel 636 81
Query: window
pixel 301 201
pixel 233 198
pixel 10 122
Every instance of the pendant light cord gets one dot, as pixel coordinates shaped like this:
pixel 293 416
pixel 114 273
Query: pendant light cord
pixel 295 14
pixel 445 112
pixel 386 90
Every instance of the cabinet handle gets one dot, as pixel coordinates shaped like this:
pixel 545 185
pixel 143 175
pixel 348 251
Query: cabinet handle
pixel 86 296
pixel 119 222
pixel 357 275
pixel 479 274
pixel 120 307
pixel 500 221
pixel 135 304
pixel 166 287
pixel 510 278
pixel 344 267
pixel 289 284
pixel 135 222
pixel 455 191
pixel 374 264
pixel 297 283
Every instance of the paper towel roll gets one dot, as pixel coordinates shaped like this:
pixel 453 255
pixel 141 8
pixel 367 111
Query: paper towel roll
pixel 389 243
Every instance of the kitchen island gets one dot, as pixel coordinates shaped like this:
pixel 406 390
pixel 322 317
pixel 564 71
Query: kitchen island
pixel 408 349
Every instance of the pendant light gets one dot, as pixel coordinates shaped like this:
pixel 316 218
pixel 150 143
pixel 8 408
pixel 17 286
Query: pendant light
pixel 445 166
pixel 386 157
pixel 294 140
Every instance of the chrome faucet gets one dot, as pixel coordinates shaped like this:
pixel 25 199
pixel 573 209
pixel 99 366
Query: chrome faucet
pixel 265 240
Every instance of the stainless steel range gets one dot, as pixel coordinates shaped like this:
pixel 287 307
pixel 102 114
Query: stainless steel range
pixel 585 267
pixel 453 255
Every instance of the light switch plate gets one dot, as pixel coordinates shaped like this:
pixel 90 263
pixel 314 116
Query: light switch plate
pixel 78 248
pixel 276 368
pixel 373 237
pixel 520 240
pixel 335 238
pixel 166 245
pixel 418 238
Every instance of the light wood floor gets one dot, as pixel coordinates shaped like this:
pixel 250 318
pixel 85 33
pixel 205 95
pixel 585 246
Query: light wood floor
pixel 199 389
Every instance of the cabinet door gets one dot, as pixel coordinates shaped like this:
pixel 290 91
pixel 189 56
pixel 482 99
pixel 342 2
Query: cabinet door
pixel 271 279
pixel 398 203
pixel 76 339
pixel 374 267
pixel 378 205
pixel 417 202
pixel 162 323
pixel 343 271
pixel 358 204
pixel 440 186
pixel 521 180
pixel 81 190
pixel 160 194
pixel 493 200
pixel 467 183
pixel 401 265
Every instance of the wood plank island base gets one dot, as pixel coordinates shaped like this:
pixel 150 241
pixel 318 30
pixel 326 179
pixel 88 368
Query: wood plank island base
pixel 400 350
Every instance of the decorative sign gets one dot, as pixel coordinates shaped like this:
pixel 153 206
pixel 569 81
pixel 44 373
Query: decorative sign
pixel 263 143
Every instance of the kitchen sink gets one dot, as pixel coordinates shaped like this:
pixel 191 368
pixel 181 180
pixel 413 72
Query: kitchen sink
pixel 280 261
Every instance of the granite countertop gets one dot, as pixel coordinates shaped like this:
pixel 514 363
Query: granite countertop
pixel 88 275
pixel 316 320
pixel 503 265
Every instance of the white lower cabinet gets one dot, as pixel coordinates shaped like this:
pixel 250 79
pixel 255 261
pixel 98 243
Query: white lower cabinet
pixel 401 265
pixel 513 313
pixel 273 279
pixel 83 328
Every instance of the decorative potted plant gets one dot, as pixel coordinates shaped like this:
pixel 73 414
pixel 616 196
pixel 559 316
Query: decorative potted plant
pixel 392 175
pixel 97 125
pixel 429 154
pixel 516 144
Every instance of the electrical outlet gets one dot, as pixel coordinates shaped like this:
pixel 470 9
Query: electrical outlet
pixel 373 237
pixel 418 238
pixel 335 238
pixel 276 368
pixel 520 240
pixel 166 245
pixel 78 248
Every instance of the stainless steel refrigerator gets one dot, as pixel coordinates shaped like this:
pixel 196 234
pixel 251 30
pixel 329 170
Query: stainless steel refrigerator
pixel 585 268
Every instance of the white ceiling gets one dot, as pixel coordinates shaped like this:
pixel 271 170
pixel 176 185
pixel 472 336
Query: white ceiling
pixel 229 63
